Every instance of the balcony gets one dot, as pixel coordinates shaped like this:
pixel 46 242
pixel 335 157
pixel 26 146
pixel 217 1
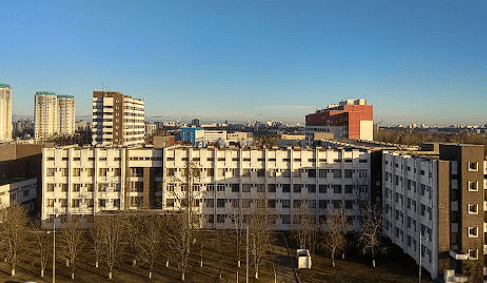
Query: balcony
pixel 458 256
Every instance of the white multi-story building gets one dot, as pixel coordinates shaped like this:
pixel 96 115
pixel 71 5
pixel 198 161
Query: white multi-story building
pixel 118 119
pixel 433 208
pixel 54 115
pixel 5 113
pixel 19 191
pixel 150 129
pixel 83 181
pixel 67 115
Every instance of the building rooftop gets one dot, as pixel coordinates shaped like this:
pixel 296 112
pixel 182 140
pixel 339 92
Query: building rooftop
pixel 66 96
pixel 4 85
pixel 45 93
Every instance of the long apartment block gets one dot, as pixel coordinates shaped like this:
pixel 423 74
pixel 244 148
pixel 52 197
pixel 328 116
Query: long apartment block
pixel 84 181
pixel 5 113
pixel 433 208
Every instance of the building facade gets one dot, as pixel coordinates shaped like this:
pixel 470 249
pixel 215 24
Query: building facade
pixel 350 119
pixel 5 113
pixel 438 197
pixel 118 119
pixel 67 115
pixel 84 181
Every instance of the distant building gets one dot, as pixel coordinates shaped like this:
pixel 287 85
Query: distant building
pixel 5 113
pixel 67 115
pixel 118 119
pixel 19 191
pixel 242 138
pixel 82 126
pixel 54 115
pixel 292 140
pixel 350 119
pixel 150 129
pixel 193 135
pixel 163 141
pixel 195 122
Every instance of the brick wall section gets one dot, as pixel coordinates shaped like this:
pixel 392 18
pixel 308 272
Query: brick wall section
pixel 443 215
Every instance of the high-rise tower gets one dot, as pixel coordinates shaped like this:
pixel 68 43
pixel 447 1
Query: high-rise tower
pixel 5 113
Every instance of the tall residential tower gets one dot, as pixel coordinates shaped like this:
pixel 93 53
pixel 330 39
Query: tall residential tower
pixel 54 115
pixel 5 113
pixel 118 119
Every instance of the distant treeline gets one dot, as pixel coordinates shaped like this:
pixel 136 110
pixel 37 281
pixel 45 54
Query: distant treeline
pixel 417 138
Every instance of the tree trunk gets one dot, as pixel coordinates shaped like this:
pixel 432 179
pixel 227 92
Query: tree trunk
pixel 72 275
pixel 12 272
pixel 96 264
pixel 134 263
pixel 67 262
pixel 110 273
pixel 182 275
pixel 150 274
pixel 42 272
pixel 167 263
pixel 373 262
pixel 238 263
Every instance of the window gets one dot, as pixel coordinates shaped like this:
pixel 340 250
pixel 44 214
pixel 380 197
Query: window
pixel 102 202
pixel 322 173
pixel 286 219
pixel 473 166
pixel 90 187
pixel 337 189
pixel 246 188
pixel 64 172
pixel 102 172
pixel 473 232
pixel 271 203
pixel 348 189
pixel 473 254
pixel 220 202
pixel 473 186
pixel 91 171
pixel 76 172
pixel 348 173
pixel 209 202
pixel 64 187
pixel 51 171
pixel 286 188
pixel 50 187
pixel 50 202
pixel 322 189
pixel 297 188
pixel 322 203
pixel 337 173
pixel 286 203
pixel 75 202
pixel 349 204
pixel 235 188
pixel 271 188
pixel 64 202
pixel 76 187
pixel 220 188
pixel 311 188
pixel 473 208
pixel 210 187
pixel 91 202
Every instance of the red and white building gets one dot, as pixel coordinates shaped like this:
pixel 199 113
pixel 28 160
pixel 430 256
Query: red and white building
pixel 350 119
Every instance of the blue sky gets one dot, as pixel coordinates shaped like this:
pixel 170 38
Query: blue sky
pixel 415 61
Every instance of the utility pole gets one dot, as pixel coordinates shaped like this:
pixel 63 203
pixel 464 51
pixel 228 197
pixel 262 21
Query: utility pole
pixel 419 256
pixel 54 252
pixel 247 269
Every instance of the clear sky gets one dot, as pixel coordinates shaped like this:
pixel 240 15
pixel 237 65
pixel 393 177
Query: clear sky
pixel 415 61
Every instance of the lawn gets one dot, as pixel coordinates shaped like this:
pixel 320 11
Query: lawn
pixel 355 268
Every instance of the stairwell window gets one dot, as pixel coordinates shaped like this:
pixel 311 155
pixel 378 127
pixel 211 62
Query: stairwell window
pixel 473 186
pixel 473 166
pixel 473 232
pixel 473 208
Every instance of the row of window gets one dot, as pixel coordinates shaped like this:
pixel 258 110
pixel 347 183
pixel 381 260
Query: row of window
pixel 76 203
pixel 271 218
pixel 77 187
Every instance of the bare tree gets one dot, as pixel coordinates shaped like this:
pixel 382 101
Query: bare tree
pixel 71 241
pixel 238 229
pixel 41 246
pixel 135 226
pixel 305 229
pixel 13 231
pixel 261 235
pixel 184 226
pixel 113 241
pixel 337 227
pixel 96 233
pixel 151 238
pixel 371 233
